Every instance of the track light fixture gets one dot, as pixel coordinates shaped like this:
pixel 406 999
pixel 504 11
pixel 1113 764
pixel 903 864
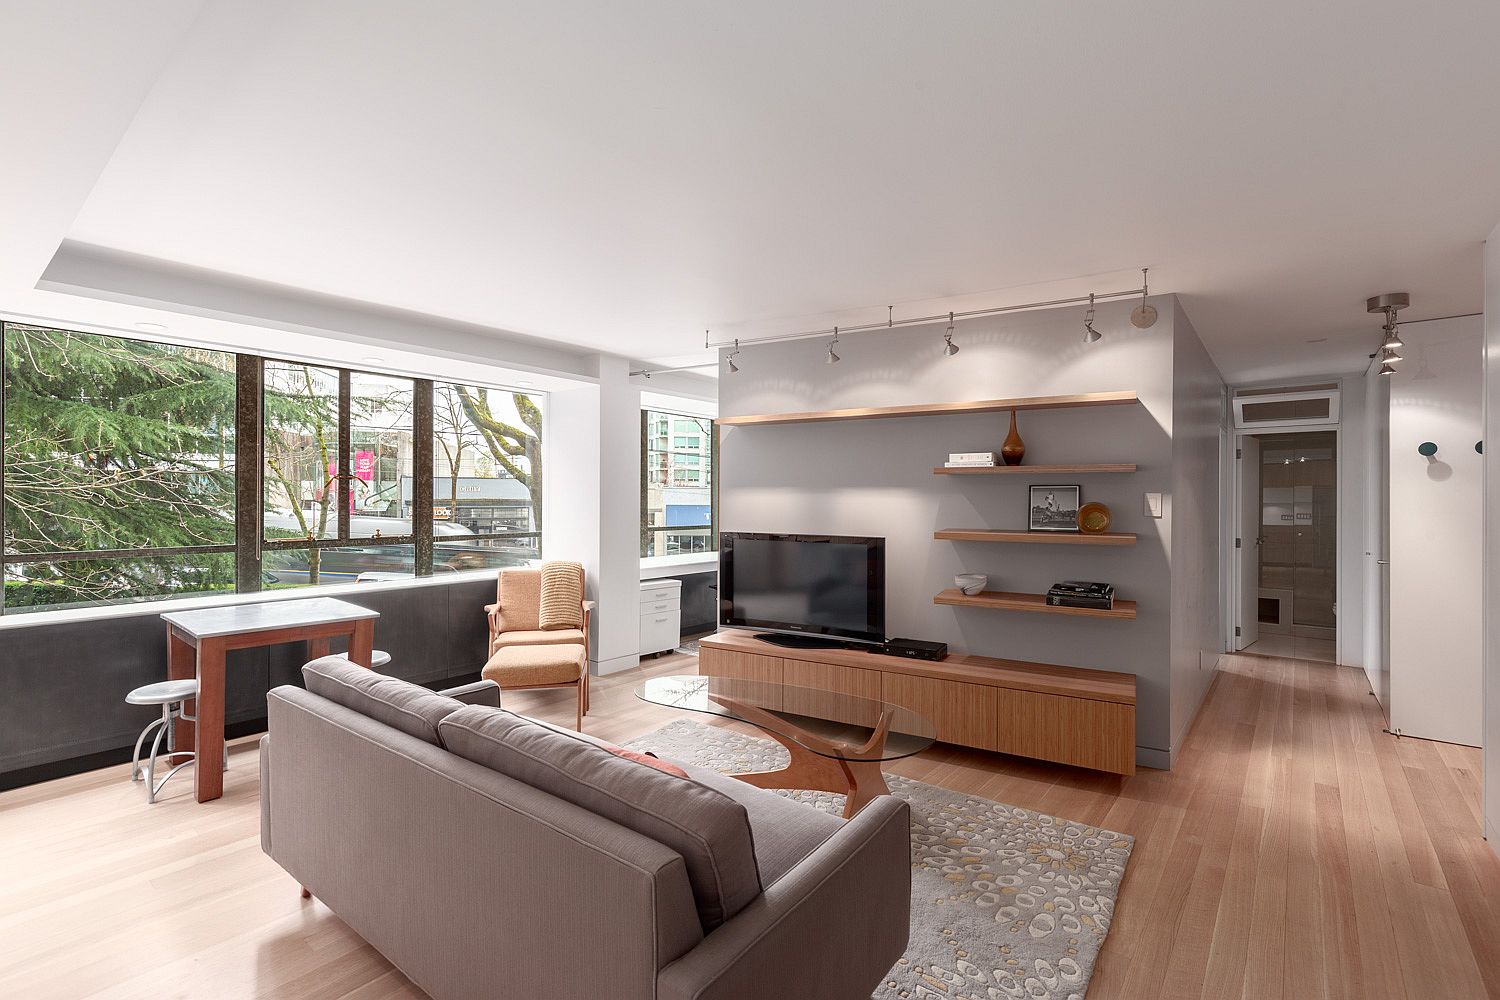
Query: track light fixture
pixel 732 355
pixel 1090 335
pixel 833 358
pixel 949 347
pixel 1388 305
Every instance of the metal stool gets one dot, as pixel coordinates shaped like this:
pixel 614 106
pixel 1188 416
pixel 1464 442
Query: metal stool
pixel 172 696
pixel 378 658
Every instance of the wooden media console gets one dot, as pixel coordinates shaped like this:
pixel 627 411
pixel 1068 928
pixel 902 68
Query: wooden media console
pixel 1069 715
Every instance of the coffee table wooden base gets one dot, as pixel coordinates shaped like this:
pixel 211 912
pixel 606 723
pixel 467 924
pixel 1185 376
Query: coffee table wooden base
pixel 853 772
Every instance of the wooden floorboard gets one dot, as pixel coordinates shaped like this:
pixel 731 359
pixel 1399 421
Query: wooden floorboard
pixel 1295 851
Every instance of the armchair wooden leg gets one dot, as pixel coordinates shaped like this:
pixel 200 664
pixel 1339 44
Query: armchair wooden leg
pixel 582 687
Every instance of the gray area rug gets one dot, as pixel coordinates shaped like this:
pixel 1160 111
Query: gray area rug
pixel 1005 902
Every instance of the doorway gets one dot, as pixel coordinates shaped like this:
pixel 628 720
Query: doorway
pixel 1287 545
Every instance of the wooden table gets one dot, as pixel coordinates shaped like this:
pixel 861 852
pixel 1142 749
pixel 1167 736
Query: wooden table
pixel 197 642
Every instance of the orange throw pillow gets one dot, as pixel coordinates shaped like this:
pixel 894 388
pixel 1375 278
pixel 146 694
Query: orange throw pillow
pixel 649 760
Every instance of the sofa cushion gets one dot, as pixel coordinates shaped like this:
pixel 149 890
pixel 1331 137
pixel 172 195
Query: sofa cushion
pixel 785 831
pixel 562 595
pixel 710 830
pixel 399 704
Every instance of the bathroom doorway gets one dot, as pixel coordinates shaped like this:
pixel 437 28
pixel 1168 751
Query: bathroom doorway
pixel 1288 545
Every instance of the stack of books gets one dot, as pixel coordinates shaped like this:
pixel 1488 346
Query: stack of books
pixel 1082 594
pixel 971 460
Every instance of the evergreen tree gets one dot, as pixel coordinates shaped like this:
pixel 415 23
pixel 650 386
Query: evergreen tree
pixel 115 444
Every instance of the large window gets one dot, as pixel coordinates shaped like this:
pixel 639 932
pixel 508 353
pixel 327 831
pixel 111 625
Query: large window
pixel 487 476
pixel 119 479
pixel 677 495
pixel 118 469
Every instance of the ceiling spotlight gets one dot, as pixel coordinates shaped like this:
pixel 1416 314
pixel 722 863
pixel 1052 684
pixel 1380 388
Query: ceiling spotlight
pixel 1090 335
pixel 730 359
pixel 949 347
pixel 1392 339
pixel 1389 305
pixel 1388 355
pixel 1387 370
pixel 833 358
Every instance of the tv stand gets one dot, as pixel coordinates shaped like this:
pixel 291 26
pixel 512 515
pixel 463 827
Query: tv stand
pixel 791 641
pixel 1041 710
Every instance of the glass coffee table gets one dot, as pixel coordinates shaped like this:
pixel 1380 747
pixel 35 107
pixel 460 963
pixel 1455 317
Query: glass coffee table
pixel 837 742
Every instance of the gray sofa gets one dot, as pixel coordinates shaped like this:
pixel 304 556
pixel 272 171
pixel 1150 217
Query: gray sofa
pixel 488 855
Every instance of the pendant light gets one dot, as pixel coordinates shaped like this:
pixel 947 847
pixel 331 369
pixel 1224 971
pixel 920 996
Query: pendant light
pixel 1090 335
pixel 949 347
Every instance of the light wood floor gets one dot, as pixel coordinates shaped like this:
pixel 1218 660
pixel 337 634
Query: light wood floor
pixel 1296 851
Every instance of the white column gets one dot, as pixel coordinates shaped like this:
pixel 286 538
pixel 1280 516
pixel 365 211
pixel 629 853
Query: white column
pixel 592 504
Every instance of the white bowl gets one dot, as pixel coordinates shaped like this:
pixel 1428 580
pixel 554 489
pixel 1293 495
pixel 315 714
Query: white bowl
pixel 971 583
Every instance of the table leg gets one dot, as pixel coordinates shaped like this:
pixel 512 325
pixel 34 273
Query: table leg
pixel 362 642
pixel 181 665
pixel 317 648
pixel 208 769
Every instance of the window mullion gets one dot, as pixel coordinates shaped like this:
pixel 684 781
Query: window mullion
pixel 344 481
pixel 421 473
pixel 249 403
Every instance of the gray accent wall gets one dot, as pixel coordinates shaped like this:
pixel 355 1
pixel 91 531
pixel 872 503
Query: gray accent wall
pixel 874 477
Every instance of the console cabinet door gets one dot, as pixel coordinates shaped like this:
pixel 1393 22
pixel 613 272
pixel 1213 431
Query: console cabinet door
pixel 963 713
pixel 1096 734
pixel 745 666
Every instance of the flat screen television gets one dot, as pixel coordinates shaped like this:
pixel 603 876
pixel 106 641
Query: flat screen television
pixel 803 590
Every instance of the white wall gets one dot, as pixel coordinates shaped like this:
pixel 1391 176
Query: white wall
pixel 1376 536
pixel 1197 426
pixel 1492 541
pixel 1435 525
pixel 1353 462
pixel 875 478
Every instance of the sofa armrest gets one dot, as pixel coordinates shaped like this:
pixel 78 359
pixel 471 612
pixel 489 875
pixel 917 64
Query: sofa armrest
pixel 478 693
pixel 836 922
pixel 265 793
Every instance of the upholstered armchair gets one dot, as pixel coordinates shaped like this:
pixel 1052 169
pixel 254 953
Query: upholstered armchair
pixel 539 631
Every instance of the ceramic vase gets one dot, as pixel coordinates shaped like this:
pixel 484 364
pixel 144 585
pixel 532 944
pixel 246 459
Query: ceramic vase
pixel 1014 449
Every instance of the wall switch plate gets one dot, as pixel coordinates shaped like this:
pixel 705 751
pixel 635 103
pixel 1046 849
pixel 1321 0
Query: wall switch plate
pixel 1153 505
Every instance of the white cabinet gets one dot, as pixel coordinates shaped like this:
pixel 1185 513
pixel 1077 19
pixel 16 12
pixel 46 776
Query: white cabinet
pixel 661 615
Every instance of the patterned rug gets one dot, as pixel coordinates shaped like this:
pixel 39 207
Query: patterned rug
pixel 1005 902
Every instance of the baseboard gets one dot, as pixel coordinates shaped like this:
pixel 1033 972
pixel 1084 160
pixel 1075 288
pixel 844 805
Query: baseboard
pixel 602 668
pixel 1152 757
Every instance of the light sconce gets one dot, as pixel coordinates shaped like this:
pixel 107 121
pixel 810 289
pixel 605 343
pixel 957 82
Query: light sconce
pixel 949 347
pixel 1090 335
pixel 833 358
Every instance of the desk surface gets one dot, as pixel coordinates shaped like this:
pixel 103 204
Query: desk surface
pixel 238 619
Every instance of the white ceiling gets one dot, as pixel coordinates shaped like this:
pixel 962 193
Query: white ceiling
pixel 619 176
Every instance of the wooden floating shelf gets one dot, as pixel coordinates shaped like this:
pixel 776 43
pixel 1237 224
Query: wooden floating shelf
pixel 1039 470
pixel 1035 537
pixel 999 600
pixel 936 409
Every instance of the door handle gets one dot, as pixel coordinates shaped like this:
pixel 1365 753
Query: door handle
pixel 1382 562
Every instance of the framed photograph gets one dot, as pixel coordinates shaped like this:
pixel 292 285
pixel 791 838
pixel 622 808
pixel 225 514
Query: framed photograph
pixel 1054 508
